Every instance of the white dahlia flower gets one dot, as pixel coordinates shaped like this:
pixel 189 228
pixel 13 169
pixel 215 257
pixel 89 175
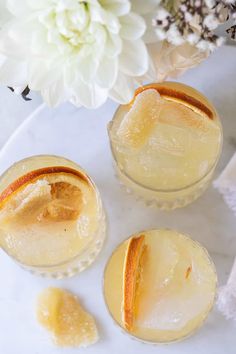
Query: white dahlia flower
pixel 74 50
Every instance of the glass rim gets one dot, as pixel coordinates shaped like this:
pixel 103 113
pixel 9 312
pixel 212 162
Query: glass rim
pixel 86 247
pixel 203 320
pixel 172 190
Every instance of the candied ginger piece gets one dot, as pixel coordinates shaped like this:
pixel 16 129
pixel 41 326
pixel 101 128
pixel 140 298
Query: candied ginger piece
pixel 44 200
pixel 60 312
pixel 27 202
pixel 141 119
pixel 66 202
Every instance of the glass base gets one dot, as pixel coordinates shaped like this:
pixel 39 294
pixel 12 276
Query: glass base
pixel 169 200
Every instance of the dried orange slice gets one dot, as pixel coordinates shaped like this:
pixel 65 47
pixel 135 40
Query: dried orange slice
pixel 52 193
pixel 60 312
pixel 131 277
pixel 183 94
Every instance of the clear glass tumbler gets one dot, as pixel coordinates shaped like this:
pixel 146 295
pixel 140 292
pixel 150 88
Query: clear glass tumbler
pixel 159 286
pixel 166 144
pixel 52 221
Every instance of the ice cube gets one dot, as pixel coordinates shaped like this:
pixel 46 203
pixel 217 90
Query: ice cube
pixel 170 140
pixel 173 312
pixel 172 294
pixel 157 274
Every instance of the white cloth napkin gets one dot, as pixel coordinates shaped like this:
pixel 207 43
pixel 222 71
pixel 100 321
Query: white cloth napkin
pixel 226 300
pixel 226 184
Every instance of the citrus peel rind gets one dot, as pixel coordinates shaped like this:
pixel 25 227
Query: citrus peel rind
pixel 132 269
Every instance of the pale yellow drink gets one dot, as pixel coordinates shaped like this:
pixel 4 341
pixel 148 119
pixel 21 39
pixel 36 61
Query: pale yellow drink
pixel 166 143
pixel 161 290
pixel 51 216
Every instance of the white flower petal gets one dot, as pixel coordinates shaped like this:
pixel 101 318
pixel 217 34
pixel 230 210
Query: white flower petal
pixel 13 73
pixel 98 14
pixel 123 90
pixel 18 8
pixel 22 31
pixel 39 75
pixel 134 58
pixel 133 26
pixel 113 45
pixel 4 13
pixel 38 4
pixel 118 7
pixel 107 72
pixel 9 47
pixel 87 66
pixel 99 35
pixel 22 7
pixel 62 5
pixel 144 6
pixel 56 93
pixel 40 47
pixel 90 96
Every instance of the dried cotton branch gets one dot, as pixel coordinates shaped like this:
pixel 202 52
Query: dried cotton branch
pixel 194 21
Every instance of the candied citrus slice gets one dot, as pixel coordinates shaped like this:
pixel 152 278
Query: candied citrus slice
pixel 60 312
pixel 131 277
pixel 140 120
pixel 183 94
pixel 49 194
pixel 179 114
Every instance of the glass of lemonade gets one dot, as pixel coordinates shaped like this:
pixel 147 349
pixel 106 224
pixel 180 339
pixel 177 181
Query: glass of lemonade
pixel 52 220
pixel 166 143
pixel 159 286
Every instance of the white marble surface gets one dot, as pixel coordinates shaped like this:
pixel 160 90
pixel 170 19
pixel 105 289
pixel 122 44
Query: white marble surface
pixel 13 111
pixel 81 135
